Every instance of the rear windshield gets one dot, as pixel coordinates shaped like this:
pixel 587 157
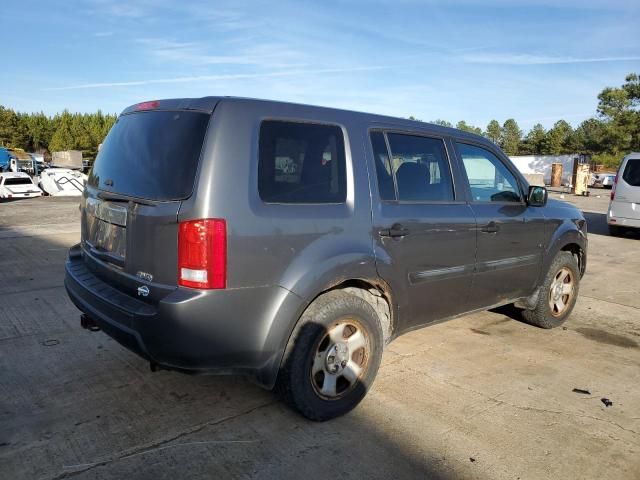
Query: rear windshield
pixel 631 173
pixel 18 181
pixel 152 155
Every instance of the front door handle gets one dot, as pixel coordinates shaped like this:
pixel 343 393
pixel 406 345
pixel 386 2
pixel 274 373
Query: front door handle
pixel 491 227
pixel 396 231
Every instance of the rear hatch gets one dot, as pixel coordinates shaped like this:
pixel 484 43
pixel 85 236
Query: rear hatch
pixel 146 166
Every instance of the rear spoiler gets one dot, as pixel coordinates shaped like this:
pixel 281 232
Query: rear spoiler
pixel 204 105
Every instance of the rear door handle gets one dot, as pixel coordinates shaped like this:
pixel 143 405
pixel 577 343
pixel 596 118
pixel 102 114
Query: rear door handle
pixel 491 227
pixel 396 231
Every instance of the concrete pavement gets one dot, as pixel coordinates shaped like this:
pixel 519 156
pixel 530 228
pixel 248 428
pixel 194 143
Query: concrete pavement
pixel 482 397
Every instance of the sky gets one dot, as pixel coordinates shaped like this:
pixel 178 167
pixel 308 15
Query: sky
pixel 532 60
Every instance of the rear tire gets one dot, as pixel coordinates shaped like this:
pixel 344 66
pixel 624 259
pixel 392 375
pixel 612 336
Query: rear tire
pixel 558 293
pixel 332 357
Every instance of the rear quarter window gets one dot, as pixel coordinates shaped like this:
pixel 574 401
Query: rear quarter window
pixel 631 173
pixel 301 163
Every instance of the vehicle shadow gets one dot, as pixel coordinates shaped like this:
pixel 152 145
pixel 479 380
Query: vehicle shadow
pixel 597 225
pixel 76 403
pixel 510 311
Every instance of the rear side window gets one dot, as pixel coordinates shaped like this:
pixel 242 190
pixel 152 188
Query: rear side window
pixel 151 155
pixel 631 173
pixel 421 168
pixel 301 163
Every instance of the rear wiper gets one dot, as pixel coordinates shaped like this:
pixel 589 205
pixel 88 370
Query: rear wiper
pixel 115 197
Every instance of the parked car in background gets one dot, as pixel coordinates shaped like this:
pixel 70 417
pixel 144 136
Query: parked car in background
pixel 63 182
pixel 604 180
pixel 17 185
pixel 290 243
pixel 624 207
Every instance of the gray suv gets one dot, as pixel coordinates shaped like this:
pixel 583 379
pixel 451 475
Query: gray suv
pixel 290 243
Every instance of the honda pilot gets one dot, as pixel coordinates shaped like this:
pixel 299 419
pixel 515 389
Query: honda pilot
pixel 291 243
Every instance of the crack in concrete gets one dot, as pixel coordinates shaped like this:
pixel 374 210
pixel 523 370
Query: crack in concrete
pixel 157 445
pixel 523 407
pixel 30 290
pixel 608 301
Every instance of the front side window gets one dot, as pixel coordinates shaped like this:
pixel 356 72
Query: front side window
pixel 631 173
pixel 421 168
pixel 301 163
pixel 489 179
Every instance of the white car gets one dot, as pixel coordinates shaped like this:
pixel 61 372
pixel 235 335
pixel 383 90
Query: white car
pixel 604 180
pixel 624 208
pixel 17 185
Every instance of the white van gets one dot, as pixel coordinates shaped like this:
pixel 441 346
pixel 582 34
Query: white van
pixel 624 208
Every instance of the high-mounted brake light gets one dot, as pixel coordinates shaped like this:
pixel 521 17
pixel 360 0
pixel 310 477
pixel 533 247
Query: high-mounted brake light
pixel 613 188
pixel 202 254
pixel 148 105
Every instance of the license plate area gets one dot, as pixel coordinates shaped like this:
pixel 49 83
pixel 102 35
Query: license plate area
pixel 106 227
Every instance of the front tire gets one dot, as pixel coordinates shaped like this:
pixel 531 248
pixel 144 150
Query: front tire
pixel 558 293
pixel 332 357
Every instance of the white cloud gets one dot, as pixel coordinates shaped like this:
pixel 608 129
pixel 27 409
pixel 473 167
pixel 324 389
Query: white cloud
pixel 213 78
pixel 528 59
pixel 192 53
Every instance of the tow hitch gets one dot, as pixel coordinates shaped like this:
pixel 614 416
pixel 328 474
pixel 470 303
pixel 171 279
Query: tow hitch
pixel 89 323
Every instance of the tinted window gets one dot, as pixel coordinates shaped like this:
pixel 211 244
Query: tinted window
pixel 301 163
pixel 631 173
pixel 18 181
pixel 421 168
pixel 383 168
pixel 489 179
pixel 151 155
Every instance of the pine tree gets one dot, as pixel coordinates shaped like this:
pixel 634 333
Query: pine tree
pixel 62 138
pixel 511 137
pixel 494 132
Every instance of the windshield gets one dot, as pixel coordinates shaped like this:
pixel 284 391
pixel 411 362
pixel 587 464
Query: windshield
pixel 151 155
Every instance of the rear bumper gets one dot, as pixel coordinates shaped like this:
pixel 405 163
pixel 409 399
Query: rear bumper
pixel 624 214
pixel 235 331
pixel 20 195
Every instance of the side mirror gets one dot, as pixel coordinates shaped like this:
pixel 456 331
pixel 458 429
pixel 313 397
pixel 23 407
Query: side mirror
pixel 537 196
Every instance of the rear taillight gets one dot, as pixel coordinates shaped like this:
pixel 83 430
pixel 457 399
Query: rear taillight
pixel 202 254
pixel 613 188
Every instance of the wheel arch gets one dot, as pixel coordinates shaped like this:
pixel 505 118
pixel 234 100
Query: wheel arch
pixel 577 251
pixel 373 290
pixel 566 238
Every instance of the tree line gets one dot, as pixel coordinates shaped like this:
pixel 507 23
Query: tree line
pixel 39 133
pixel 607 137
